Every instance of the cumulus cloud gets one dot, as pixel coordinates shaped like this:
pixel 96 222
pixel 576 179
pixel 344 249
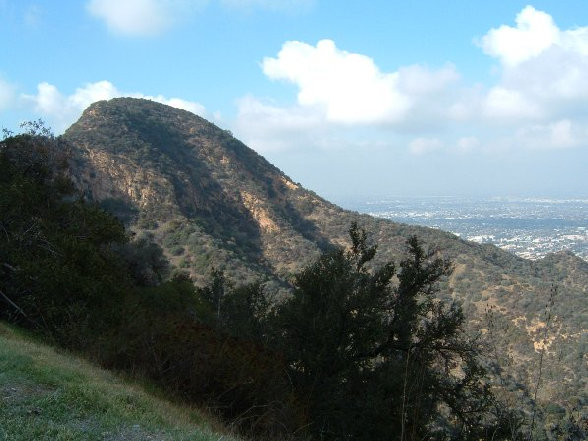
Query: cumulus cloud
pixel 141 18
pixel 339 92
pixel 62 110
pixel 535 32
pixel 538 99
pixel 544 69
pixel 348 87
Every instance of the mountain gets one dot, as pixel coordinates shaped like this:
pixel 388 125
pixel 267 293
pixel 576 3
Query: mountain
pixel 210 201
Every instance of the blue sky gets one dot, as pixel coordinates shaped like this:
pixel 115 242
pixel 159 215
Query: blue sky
pixel 351 99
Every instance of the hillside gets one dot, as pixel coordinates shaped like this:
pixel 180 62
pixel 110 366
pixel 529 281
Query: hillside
pixel 46 395
pixel 210 201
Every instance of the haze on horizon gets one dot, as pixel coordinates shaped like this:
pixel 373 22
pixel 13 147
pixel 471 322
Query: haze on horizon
pixel 464 98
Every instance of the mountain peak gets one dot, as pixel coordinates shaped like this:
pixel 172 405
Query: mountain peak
pixel 212 202
pixel 142 116
pixel 130 104
pixel 169 165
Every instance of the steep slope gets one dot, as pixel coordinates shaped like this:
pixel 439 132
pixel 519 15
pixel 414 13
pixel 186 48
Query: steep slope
pixel 195 185
pixel 46 395
pixel 210 201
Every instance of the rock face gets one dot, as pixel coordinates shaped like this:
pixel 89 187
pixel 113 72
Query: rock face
pixel 173 167
pixel 210 201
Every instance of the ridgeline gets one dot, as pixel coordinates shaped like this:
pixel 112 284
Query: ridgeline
pixel 212 202
pixel 154 242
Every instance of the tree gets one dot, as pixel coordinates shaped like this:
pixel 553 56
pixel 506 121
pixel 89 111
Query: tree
pixel 375 354
pixel 57 262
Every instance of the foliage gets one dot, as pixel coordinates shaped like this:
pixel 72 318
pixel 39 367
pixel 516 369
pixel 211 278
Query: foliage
pixel 56 255
pixel 49 395
pixel 376 359
pixel 144 260
pixel 65 264
pixel 70 273
pixel 212 202
pixel 361 349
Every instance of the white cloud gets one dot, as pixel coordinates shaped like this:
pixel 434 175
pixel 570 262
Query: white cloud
pixel 505 103
pixel 90 93
pixel 141 18
pixel 61 110
pixel 535 32
pixel 555 135
pixel 178 103
pixel 339 93
pixel 421 146
pixel 268 128
pixel 538 101
pixel 544 70
pixel 417 80
pixel 348 87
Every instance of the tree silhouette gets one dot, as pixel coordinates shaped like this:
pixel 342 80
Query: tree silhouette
pixel 373 351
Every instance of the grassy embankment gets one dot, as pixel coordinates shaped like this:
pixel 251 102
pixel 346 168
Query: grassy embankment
pixel 47 395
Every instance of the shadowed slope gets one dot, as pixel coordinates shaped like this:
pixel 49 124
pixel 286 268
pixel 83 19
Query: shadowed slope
pixel 210 201
pixel 46 395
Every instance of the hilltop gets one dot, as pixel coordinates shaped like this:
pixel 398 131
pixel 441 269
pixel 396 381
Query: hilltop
pixel 212 202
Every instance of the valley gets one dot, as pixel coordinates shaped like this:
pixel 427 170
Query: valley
pixel 528 227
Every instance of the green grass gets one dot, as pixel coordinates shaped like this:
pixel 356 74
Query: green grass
pixel 47 395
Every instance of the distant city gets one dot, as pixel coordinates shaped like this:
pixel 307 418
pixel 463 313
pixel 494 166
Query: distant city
pixel 530 228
